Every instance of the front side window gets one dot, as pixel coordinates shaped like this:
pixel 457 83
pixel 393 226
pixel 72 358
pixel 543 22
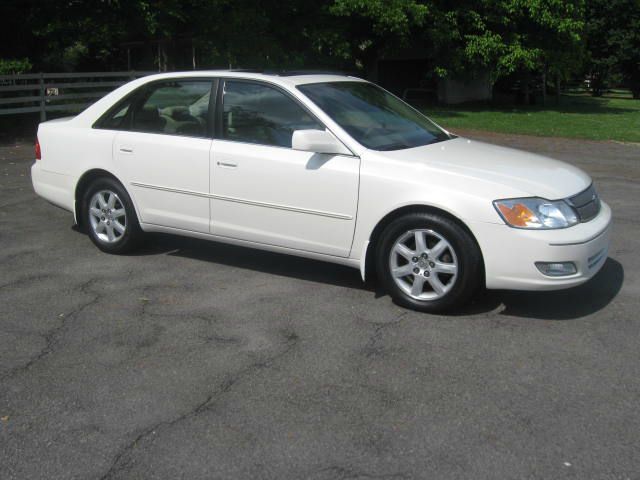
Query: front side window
pixel 372 116
pixel 256 113
pixel 175 108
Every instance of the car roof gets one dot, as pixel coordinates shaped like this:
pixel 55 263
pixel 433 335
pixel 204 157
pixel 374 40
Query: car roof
pixel 291 77
pixel 288 80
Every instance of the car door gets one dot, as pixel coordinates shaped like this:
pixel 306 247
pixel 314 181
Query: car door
pixel 263 190
pixel 164 153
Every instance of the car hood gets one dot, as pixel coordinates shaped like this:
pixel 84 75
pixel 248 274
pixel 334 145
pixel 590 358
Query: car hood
pixel 531 174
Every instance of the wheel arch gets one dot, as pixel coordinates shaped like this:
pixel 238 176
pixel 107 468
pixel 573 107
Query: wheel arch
pixel 83 183
pixel 367 260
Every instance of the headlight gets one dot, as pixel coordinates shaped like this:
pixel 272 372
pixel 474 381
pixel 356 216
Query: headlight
pixel 536 213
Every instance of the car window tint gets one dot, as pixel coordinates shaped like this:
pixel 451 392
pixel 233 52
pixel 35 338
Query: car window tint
pixel 118 118
pixel 175 108
pixel 374 117
pixel 260 114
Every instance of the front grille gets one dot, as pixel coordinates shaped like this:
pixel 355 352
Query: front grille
pixel 586 204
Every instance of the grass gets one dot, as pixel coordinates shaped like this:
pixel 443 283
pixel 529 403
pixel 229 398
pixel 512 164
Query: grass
pixel 613 117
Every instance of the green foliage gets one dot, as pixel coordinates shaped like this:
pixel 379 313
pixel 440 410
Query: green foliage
pixel 513 38
pixel 14 66
pixel 613 43
pixel 386 17
pixel 361 31
pixel 73 55
pixel 507 36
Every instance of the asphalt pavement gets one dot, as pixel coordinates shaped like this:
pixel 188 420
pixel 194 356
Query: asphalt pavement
pixel 198 360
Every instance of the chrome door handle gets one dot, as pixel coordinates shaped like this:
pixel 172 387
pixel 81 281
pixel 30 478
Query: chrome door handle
pixel 227 164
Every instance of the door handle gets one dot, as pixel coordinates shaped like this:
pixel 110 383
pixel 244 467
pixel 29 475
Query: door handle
pixel 227 164
pixel 126 149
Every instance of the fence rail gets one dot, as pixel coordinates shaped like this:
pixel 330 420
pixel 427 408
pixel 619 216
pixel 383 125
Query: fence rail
pixel 57 92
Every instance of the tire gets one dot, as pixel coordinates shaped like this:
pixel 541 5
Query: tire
pixel 109 217
pixel 428 275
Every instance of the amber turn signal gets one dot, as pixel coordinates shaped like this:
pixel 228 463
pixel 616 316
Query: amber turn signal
pixel 518 215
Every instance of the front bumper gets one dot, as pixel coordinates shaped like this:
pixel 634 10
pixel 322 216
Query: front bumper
pixel 510 254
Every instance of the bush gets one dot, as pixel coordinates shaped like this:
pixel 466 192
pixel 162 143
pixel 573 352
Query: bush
pixel 14 66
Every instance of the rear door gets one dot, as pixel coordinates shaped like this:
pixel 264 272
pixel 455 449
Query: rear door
pixel 266 192
pixel 165 153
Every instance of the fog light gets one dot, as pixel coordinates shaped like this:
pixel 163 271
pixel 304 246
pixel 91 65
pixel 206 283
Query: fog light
pixel 556 269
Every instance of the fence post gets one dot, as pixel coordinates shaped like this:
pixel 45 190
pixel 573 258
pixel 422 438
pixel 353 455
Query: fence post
pixel 43 112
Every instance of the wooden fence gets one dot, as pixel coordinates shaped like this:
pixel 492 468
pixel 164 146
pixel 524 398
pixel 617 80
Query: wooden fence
pixel 57 92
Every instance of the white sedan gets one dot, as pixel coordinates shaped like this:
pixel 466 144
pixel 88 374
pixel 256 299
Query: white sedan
pixel 329 167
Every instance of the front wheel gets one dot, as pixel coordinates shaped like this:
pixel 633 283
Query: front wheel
pixel 428 262
pixel 110 218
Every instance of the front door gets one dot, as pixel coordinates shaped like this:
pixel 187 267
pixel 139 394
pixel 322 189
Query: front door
pixel 266 192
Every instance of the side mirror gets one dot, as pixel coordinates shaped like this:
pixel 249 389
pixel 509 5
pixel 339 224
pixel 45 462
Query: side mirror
pixel 318 141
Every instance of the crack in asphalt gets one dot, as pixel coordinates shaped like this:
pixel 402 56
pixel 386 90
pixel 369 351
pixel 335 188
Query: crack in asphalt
pixel 50 335
pixel 348 473
pixel 25 280
pixel 121 462
pixel 372 349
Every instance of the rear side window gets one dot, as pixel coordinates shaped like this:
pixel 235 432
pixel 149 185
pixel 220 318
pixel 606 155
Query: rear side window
pixel 256 113
pixel 174 108
pixel 118 118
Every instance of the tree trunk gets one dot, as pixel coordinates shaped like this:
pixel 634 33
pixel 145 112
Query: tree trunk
pixel 597 84
pixel 526 92
pixel 163 58
pixel 544 86
pixel 558 89
pixel 635 85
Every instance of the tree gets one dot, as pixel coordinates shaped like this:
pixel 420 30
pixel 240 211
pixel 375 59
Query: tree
pixel 525 38
pixel 613 44
pixel 509 36
pixel 371 27
pixel 14 66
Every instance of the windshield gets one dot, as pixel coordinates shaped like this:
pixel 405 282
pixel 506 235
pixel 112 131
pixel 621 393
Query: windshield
pixel 373 117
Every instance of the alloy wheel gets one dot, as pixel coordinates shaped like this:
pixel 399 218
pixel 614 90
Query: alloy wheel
pixel 423 264
pixel 107 216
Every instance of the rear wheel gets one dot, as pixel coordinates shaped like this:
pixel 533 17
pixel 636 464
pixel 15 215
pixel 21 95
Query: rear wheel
pixel 428 262
pixel 110 218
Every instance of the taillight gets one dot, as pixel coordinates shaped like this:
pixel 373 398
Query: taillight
pixel 38 151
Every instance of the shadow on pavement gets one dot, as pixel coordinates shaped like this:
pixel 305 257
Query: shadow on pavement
pixel 568 304
pixel 253 259
pixel 573 303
